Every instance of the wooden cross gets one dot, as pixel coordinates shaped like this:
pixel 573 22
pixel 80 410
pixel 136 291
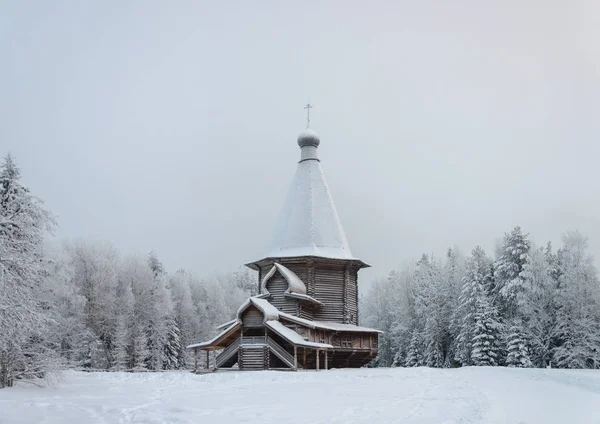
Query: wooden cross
pixel 308 107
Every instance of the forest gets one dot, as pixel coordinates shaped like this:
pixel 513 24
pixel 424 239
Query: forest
pixel 529 306
pixel 83 304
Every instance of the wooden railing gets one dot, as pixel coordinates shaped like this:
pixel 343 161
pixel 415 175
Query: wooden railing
pixel 227 353
pixel 283 354
pixel 254 340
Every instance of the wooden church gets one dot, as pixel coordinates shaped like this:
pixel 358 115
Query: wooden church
pixel 306 313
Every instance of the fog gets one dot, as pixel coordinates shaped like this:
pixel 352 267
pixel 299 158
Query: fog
pixel 172 126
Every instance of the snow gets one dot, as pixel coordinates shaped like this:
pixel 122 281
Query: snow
pixel 400 395
pixel 295 284
pixel 293 337
pixel 269 311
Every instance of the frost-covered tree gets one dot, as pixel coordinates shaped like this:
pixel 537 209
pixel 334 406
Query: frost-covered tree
pixel 95 270
pixel 475 287
pixel 486 334
pixel 508 278
pixel 64 306
pixel 518 352
pixel 414 355
pixel 536 303
pixel 172 346
pixel 23 224
pixel 577 333
pixel 184 314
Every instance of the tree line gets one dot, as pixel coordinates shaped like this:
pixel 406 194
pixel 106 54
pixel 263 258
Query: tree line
pixel 85 305
pixel 529 307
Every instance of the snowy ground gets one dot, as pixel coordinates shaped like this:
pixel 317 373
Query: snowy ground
pixel 416 395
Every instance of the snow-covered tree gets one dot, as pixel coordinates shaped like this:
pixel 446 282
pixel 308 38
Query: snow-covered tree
pixel 486 334
pixel 536 303
pixel 414 355
pixel 475 288
pixel 508 279
pixel 95 270
pixel 23 224
pixel 518 352
pixel 577 333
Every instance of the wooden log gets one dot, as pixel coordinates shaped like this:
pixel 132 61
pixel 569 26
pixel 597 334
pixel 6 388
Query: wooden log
pixel 295 357
pixel 195 360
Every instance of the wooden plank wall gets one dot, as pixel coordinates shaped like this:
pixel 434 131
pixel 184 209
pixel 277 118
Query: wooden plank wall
pixel 252 317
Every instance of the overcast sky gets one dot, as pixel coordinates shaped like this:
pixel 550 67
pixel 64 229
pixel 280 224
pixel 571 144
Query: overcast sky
pixel 172 125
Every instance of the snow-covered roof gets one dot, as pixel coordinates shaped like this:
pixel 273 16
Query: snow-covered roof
pixel 304 297
pixel 327 325
pixel 296 287
pixel 293 337
pixel 227 324
pixel 308 224
pixel 215 340
pixel 269 311
pixel 295 284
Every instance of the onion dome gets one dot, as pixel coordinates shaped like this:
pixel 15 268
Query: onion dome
pixel 308 138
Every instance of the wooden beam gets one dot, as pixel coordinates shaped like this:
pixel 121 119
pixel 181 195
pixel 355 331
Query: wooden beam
pixel 325 359
pixel 295 357
pixel 317 359
pixel 195 360
pixel 207 360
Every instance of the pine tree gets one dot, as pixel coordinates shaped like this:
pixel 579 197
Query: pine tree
pixel 414 356
pixel 475 284
pixel 508 281
pixel 486 333
pixel 172 346
pixel 518 353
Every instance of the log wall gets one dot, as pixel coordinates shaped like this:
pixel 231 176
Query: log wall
pixel 277 286
pixel 332 282
pixel 252 317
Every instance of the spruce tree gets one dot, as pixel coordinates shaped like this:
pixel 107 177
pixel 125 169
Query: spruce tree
pixel 475 284
pixel 518 353
pixel 172 346
pixel 414 355
pixel 508 278
pixel 486 344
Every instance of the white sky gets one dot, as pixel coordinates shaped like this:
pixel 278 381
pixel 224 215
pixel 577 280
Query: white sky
pixel 172 125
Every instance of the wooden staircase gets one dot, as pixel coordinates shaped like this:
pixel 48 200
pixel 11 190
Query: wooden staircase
pixel 227 354
pixel 252 353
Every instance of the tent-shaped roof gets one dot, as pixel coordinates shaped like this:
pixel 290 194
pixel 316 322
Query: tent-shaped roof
pixel 308 224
